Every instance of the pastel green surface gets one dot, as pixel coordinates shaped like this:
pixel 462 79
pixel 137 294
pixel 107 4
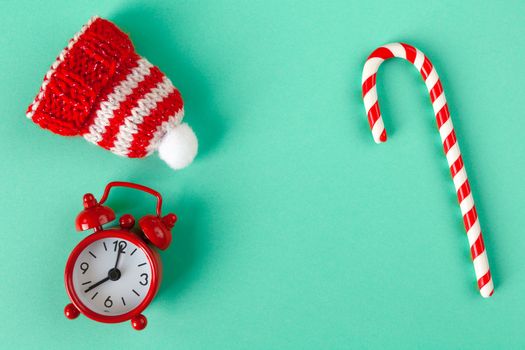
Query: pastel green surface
pixel 296 230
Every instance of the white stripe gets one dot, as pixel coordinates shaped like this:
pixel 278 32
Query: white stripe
pixel 481 266
pixel 55 65
pixel 487 289
pixel 378 129
pixel 466 204
pixel 446 129
pixel 397 50
pixel 439 103
pixel 371 67
pixel 420 59
pixel 143 109
pixel 106 110
pixel 431 79
pixel 162 129
pixel 460 178
pixel 370 98
pixel 473 233
pixel 453 154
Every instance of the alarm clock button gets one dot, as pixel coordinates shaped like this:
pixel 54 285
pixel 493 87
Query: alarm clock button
pixel 127 221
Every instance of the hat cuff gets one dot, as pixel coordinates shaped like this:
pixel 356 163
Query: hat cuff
pixel 61 57
pixel 78 77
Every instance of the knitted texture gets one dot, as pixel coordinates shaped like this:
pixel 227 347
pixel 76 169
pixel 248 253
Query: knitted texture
pixel 99 88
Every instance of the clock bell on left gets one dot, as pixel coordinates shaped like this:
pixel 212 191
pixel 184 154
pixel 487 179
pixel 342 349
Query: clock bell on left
pixel 113 274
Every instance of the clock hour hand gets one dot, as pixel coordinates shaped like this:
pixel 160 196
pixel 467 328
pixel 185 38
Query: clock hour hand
pixel 97 284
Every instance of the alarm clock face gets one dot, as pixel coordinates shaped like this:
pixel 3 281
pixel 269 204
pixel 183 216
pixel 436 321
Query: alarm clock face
pixel 112 275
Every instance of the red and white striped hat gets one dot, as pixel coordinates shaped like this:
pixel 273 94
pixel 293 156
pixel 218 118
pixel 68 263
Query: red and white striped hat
pixel 100 88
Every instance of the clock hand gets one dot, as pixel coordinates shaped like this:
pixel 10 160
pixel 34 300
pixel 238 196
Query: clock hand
pixel 120 250
pixel 114 273
pixel 97 284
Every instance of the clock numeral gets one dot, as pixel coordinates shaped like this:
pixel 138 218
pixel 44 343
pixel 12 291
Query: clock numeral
pixel 145 282
pixel 84 267
pixel 108 302
pixel 121 245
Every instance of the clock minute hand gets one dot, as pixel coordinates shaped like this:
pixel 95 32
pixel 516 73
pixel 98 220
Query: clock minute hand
pixel 97 284
pixel 120 251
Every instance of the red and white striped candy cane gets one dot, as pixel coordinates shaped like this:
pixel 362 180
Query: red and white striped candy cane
pixel 448 138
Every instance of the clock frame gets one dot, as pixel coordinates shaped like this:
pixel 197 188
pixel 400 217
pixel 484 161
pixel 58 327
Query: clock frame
pixel 153 260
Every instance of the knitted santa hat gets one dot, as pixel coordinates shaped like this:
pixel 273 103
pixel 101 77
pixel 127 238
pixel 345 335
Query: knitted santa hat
pixel 99 88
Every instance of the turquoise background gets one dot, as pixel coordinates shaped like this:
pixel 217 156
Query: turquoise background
pixel 296 230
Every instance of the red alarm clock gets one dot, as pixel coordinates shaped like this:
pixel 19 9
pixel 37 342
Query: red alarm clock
pixel 113 274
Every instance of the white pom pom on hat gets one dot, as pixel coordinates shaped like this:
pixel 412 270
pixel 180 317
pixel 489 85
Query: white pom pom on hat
pixel 178 147
pixel 101 89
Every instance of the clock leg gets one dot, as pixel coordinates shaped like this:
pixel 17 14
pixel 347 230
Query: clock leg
pixel 71 311
pixel 139 322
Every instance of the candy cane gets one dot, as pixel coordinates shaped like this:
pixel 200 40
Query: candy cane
pixel 448 138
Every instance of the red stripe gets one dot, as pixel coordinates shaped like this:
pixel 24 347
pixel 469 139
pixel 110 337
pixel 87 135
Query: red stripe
pixel 382 137
pixel 426 68
pixel 381 52
pixel 470 218
pixel 369 83
pixel 442 116
pixel 164 109
pixel 373 114
pixel 457 166
pixel 436 91
pixel 449 141
pixel 410 52
pixel 477 248
pixel 463 191
pixel 145 86
pixel 484 280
